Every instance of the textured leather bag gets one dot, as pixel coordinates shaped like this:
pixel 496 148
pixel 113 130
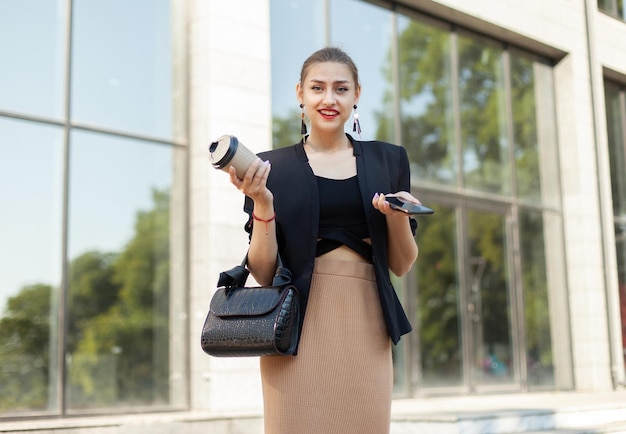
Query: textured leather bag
pixel 252 321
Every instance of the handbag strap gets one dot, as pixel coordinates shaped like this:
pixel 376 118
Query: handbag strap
pixel 236 277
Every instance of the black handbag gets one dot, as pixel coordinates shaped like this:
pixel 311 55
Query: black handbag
pixel 252 321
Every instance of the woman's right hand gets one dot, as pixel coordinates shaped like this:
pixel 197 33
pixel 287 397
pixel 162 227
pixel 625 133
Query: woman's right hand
pixel 254 182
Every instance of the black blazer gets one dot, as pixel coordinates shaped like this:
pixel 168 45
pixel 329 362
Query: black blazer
pixel 381 168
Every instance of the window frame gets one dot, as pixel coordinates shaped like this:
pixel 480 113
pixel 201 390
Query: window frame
pixel 178 140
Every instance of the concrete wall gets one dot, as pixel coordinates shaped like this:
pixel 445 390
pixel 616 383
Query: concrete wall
pixel 230 94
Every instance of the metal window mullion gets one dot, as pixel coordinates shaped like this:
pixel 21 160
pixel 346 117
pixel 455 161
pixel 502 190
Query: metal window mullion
pixel 77 125
pixel 33 118
pixel 62 325
pixel 456 105
pixel 74 125
pixel 622 118
pixel 510 134
pixel 466 336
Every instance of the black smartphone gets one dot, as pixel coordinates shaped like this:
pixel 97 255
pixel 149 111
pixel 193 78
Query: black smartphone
pixel 408 207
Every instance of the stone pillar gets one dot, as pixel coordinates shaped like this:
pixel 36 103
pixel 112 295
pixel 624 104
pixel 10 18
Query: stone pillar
pixel 230 93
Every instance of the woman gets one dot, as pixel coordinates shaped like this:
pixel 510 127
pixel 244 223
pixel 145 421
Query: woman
pixel 321 205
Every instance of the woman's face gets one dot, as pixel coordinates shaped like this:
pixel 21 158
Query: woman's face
pixel 328 93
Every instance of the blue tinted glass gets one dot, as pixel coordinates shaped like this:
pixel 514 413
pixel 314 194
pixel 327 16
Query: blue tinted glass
pixel 31 195
pixel 290 47
pixel 121 65
pixel 119 272
pixel 32 53
pixel 371 52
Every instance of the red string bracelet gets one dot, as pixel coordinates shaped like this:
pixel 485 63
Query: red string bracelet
pixel 264 221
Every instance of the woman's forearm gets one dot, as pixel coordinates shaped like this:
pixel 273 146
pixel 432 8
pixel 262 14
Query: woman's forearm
pixel 263 249
pixel 402 248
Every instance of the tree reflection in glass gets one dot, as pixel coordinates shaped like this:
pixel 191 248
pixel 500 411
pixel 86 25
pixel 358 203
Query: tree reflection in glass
pixel 484 145
pixel 539 359
pixel 31 187
pixel 426 101
pixel 118 348
pixel 438 300
pixel 525 128
pixel 490 298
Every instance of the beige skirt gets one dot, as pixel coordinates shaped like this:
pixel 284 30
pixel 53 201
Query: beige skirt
pixel 341 380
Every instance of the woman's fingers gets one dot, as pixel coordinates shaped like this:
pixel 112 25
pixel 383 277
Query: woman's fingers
pixel 233 178
pixel 380 202
pixel 254 181
pixel 406 196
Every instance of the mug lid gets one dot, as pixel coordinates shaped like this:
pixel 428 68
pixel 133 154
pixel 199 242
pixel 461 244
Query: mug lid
pixel 223 150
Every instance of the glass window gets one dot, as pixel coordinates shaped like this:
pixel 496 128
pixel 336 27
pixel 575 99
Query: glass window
pixel 31 188
pixel 620 241
pixel 119 285
pixel 290 48
pixel 613 7
pixel 544 126
pixel 491 299
pixel 525 128
pixel 617 146
pixel 482 108
pixel 439 301
pixel 426 101
pixel 126 208
pixel 32 49
pixel 615 97
pixel 605 5
pixel 539 358
pixel 122 65
pixel 373 55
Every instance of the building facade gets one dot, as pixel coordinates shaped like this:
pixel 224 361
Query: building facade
pixel 115 225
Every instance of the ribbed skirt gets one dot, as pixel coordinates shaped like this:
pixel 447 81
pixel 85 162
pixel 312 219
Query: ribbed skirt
pixel 341 380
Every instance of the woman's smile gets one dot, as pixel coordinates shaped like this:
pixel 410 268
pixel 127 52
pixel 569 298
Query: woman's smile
pixel 328 113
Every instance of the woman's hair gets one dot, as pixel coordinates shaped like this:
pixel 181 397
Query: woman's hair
pixel 329 54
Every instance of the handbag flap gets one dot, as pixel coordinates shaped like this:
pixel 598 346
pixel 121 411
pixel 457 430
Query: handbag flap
pixel 256 301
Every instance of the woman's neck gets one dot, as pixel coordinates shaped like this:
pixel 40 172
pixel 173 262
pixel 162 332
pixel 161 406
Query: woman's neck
pixel 329 142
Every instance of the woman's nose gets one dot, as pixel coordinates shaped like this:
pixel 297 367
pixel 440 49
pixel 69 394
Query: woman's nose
pixel 329 97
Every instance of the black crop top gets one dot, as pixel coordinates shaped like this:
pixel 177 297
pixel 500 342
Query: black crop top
pixel 342 217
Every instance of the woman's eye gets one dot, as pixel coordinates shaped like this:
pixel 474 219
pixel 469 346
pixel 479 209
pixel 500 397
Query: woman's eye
pixel 316 88
pixel 342 89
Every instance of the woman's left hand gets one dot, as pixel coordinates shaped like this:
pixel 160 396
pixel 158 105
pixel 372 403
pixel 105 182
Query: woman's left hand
pixel 380 203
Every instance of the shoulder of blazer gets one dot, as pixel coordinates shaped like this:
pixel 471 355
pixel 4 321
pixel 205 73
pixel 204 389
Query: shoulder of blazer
pixel 378 148
pixel 378 155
